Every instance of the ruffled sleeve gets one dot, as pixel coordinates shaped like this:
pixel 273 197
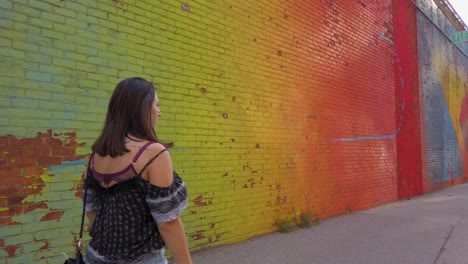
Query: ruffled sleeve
pixel 92 203
pixel 167 203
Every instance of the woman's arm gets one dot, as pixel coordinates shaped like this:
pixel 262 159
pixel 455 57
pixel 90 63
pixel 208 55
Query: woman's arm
pixel 174 235
pixel 91 216
pixel 160 174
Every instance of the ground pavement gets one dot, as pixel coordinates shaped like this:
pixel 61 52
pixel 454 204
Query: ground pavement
pixel 429 229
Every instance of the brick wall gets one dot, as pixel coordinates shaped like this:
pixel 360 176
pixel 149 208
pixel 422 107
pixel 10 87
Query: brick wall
pixel 409 154
pixel 444 83
pixel 275 107
pixel 34 184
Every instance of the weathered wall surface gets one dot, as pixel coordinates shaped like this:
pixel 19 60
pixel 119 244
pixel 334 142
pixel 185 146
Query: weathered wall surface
pixel 408 132
pixel 430 83
pixel 443 73
pixel 275 107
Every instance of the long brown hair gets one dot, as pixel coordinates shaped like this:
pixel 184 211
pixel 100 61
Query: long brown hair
pixel 128 113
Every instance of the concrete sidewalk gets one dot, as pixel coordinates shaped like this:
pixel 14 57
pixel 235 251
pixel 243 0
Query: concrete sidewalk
pixel 430 229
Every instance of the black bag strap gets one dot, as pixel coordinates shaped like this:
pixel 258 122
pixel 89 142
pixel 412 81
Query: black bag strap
pixel 85 188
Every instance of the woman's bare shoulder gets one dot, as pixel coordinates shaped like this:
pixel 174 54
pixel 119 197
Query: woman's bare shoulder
pixel 155 148
pixel 159 170
pixel 152 151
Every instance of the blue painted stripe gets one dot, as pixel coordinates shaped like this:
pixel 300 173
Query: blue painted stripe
pixel 67 164
pixel 362 138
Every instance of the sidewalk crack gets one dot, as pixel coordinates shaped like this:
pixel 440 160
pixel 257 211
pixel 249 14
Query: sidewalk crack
pixel 444 246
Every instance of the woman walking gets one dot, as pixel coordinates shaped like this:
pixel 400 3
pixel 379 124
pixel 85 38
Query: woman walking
pixel 134 197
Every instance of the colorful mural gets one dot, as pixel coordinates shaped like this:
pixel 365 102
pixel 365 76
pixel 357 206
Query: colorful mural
pixel 276 108
pixel 443 78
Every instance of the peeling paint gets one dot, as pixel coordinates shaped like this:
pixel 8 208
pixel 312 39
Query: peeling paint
pixel 11 250
pixel 186 8
pixel 31 179
pixel 199 234
pixel 199 201
pixel 56 215
pixel 26 183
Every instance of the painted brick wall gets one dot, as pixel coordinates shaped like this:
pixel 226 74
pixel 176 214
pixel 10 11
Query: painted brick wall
pixel 408 132
pixel 430 74
pixel 443 70
pixel 275 107
pixel 34 184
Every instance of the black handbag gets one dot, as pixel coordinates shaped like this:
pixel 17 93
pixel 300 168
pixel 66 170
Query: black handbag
pixel 79 256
